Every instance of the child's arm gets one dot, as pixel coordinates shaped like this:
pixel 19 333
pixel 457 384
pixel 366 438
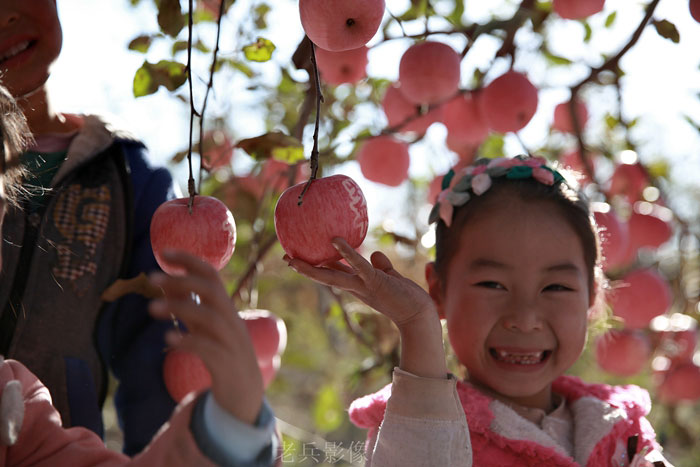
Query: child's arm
pixel 424 423
pixel 403 301
pixel 235 415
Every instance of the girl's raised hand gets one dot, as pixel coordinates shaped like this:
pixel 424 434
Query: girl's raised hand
pixel 215 333
pixel 380 286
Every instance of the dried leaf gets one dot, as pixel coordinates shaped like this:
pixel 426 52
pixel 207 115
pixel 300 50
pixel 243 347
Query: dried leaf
pixel 138 285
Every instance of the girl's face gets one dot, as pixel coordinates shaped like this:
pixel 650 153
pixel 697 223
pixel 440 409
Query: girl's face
pixel 30 41
pixel 515 299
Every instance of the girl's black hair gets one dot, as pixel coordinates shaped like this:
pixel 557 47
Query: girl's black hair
pixel 564 197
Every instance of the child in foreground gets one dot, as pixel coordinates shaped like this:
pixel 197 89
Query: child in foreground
pixel 228 425
pixel 516 277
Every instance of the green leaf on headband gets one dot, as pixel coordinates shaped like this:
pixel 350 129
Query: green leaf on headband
pixel 519 172
pixel 447 179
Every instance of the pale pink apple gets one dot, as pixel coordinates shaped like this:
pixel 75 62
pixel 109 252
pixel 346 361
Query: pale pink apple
pixel 577 9
pixel 384 160
pixel 429 72
pixel 466 152
pixel 680 384
pixel 614 236
pixel 649 225
pixel 347 66
pixel 462 118
pixel 184 372
pixel 562 116
pixel 508 102
pixel 275 174
pixel 337 25
pixel 269 368
pixel 217 150
pixel 629 180
pixel 642 295
pixel 267 331
pixel 332 207
pixel 405 115
pixel 622 352
pixel 208 231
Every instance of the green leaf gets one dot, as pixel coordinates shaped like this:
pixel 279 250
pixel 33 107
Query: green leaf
pixel 166 73
pixel 141 43
pixel 492 147
pixel 610 20
pixel 611 121
pixel 259 51
pixel 170 17
pixel 242 67
pixel 555 59
pixel 692 123
pixel 456 16
pixel 659 169
pixel 261 12
pixel 589 32
pixel 328 411
pixel 667 30
pixel 274 144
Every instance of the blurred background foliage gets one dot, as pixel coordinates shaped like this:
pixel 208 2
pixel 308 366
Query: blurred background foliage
pixel 338 349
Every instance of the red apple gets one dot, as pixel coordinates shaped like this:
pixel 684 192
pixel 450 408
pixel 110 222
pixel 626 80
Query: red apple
pixel 184 372
pixel 210 6
pixel 614 235
pixel 508 102
pixel 332 207
pixel 629 180
pixel 695 9
pixel 429 72
pixel 337 25
pixel 562 116
pixel 347 66
pixel 649 226
pixel 642 295
pixel 463 120
pixel 680 384
pixel 385 160
pixel 465 151
pixel 217 150
pixel 269 368
pixel 267 331
pixel 275 174
pixel 208 232
pixel 577 9
pixel 399 111
pixel 622 353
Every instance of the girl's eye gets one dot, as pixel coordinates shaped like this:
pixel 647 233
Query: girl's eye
pixel 490 285
pixel 557 288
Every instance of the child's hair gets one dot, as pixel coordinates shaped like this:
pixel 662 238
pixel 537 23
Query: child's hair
pixel 560 192
pixel 14 138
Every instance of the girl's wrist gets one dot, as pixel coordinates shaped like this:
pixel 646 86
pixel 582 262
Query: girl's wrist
pixel 422 351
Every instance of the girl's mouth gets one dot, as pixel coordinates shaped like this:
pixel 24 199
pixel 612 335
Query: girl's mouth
pixel 16 50
pixel 520 358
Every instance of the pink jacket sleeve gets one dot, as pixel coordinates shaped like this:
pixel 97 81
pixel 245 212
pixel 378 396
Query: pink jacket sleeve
pixel 42 441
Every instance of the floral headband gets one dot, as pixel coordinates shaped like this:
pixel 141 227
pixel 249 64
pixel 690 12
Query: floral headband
pixel 458 187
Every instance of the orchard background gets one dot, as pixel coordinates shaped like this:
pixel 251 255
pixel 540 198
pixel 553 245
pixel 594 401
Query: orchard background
pixel 633 65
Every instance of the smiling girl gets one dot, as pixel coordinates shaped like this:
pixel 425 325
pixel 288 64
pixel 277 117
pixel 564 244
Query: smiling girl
pixel 516 278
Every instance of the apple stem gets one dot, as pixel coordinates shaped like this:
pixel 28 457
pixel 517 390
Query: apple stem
pixel 314 151
pixel 193 111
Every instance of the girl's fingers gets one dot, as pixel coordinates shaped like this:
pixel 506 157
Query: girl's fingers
pixel 199 319
pixel 338 266
pixel 380 261
pixel 191 264
pixel 364 269
pixel 332 277
pixel 182 287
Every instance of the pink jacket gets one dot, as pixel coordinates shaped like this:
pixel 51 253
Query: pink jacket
pixel 33 436
pixel 604 418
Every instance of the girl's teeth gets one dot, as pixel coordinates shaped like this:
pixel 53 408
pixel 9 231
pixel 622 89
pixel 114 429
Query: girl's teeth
pixel 529 358
pixel 22 46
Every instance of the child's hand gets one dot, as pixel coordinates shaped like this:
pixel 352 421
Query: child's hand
pixel 215 333
pixel 403 301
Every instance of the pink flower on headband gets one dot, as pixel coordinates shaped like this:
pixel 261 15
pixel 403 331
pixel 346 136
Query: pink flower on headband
pixel 481 183
pixel 543 175
pixel 446 208
pixel 534 162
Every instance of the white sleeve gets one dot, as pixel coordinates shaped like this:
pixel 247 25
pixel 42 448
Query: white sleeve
pixel 424 425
